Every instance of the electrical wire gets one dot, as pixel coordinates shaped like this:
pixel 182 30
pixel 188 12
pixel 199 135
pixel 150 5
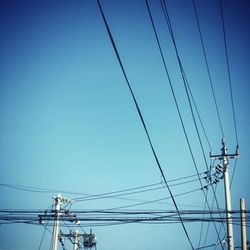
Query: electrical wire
pixel 45 229
pixel 123 192
pixel 199 117
pixel 228 71
pixel 43 190
pixel 212 245
pixel 187 90
pixel 208 225
pixel 38 190
pixel 142 119
pixel 234 168
pixel 134 192
pixel 154 201
pixel 229 76
pixel 186 84
pixel 135 217
pixel 41 241
pixel 163 5
pixel 81 228
pixel 208 69
pixel 202 224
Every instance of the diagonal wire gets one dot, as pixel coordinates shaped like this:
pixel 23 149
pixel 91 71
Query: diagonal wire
pixel 135 188
pixel 208 69
pixel 199 117
pixel 166 15
pixel 230 84
pixel 45 229
pixel 234 168
pixel 229 76
pixel 205 241
pixel 143 122
pixel 228 71
pixel 202 224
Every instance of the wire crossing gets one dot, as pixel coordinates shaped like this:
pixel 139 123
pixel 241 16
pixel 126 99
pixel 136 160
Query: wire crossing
pixel 173 93
pixel 186 84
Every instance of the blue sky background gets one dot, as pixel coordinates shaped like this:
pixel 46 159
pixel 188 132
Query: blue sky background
pixel 68 122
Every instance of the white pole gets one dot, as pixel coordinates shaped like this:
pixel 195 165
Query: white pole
pixel 243 224
pixel 76 240
pixel 58 201
pixel 230 240
pixel 228 210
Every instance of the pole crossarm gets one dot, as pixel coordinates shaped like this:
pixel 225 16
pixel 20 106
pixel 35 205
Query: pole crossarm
pixel 224 153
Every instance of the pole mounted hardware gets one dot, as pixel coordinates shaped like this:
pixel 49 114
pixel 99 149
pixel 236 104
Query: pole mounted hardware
pixel 224 157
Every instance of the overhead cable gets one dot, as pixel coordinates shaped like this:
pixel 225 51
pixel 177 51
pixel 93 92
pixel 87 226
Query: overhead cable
pixel 208 69
pixel 142 119
pixel 185 82
pixel 228 71
pixel 170 83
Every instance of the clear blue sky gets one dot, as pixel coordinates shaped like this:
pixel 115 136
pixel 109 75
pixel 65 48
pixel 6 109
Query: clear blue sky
pixel 68 122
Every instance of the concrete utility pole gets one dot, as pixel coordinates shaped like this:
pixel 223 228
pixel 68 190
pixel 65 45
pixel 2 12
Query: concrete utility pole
pixel 58 201
pixel 243 224
pixel 88 240
pixel 224 157
pixel 76 238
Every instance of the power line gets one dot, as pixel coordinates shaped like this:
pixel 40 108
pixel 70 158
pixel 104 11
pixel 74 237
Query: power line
pixel 199 117
pixel 97 197
pixel 123 192
pixel 164 8
pixel 208 69
pixel 202 224
pixel 229 73
pixel 234 169
pixel 208 225
pixel 130 216
pixel 186 84
pixel 157 200
pixel 141 118
pixel 38 190
pixel 136 188
pixel 41 241
pixel 17 212
pixel 43 190
pixel 185 81
pixel 212 245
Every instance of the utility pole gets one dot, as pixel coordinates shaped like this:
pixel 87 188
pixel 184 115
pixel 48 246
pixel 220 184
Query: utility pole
pixel 243 224
pixel 76 238
pixel 58 201
pixel 88 240
pixel 224 157
pixel 58 214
